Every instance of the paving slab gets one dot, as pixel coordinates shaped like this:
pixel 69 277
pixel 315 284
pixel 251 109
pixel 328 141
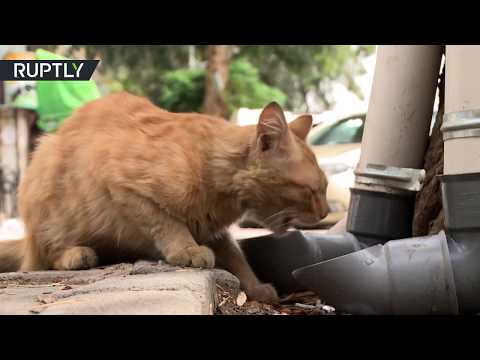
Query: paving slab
pixel 143 288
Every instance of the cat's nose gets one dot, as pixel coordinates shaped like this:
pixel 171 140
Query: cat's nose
pixel 324 210
pixel 325 213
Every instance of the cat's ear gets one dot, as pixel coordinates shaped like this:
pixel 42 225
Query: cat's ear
pixel 301 126
pixel 272 128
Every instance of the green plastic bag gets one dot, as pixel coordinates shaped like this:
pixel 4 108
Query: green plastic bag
pixel 58 99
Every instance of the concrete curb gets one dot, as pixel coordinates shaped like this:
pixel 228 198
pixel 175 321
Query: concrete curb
pixel 143 288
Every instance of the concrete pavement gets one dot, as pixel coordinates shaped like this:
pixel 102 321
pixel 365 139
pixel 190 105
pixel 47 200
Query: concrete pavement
pixel 143 288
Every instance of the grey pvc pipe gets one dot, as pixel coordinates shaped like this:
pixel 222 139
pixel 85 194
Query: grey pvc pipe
pixel 438 274
pixel 273 258
pixel 401 105
pixel 410 276
pixel 461 201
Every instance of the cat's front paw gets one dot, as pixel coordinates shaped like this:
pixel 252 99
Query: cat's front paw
pixel 265 293
pixel 195 256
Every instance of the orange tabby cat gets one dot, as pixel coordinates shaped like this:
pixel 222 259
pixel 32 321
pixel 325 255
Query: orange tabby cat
pixel 122 179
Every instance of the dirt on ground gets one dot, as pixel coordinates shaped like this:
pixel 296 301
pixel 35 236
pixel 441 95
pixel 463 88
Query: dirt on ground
pixel 232 302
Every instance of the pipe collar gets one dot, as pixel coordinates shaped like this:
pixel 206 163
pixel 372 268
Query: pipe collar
pixel 406 179
pixel 461 124
pixel 390 177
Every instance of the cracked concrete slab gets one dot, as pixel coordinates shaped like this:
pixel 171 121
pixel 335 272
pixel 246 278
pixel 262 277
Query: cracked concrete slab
pixel 146 288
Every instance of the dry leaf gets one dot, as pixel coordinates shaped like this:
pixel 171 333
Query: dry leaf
pixel 241 298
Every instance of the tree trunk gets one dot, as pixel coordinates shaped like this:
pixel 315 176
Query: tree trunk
pixel 218 60
pixel 2 92
pixel 428 214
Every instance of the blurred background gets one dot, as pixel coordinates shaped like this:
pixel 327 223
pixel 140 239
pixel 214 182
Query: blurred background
pixel 331 82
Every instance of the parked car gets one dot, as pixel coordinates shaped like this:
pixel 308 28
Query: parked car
pixel 336 145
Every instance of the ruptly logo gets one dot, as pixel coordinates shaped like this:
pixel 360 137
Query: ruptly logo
pixel 29 70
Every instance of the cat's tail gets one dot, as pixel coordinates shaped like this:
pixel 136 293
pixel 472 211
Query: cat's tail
pixel 11 255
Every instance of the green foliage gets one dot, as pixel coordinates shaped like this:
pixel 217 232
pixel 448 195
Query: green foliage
pixel 182 90
pixel 245 89
pixel 295 70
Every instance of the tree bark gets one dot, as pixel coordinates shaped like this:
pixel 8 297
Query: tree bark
pixel 2 92
pixel 428 214
pixel 218 61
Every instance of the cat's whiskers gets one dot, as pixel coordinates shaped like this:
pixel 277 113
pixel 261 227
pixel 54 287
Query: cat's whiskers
pixel 273 220
pixel 275 216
